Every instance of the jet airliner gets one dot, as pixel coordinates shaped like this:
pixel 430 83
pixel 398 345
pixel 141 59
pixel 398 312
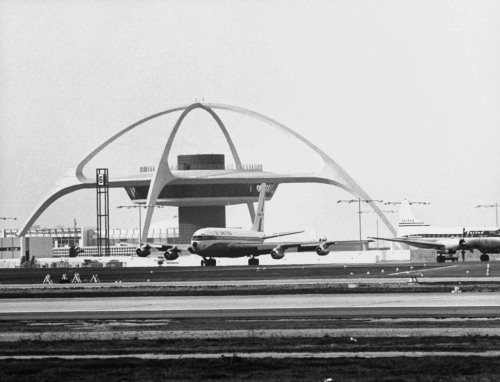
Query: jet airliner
pixel 446 241
pixel 211 243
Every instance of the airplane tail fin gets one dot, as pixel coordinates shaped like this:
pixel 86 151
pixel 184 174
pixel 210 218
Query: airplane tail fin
pixel 408 223
pixel 258 224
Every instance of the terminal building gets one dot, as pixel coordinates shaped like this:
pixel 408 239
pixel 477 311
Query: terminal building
pixel 49 242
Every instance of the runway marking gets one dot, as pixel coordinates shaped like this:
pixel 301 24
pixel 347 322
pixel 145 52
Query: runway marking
pixel 149 356
pixel 422 270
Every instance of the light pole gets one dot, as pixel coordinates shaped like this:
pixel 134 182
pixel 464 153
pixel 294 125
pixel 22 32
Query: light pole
pixel 359 200
pixel 385 212
pixel 74 233
pixel 491 206
pixel 139 206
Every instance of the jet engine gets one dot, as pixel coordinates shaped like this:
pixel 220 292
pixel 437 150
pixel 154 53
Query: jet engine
pixel 323 249
pixel 172 253
pixel 143 251
pixel 74 251
pixel 277 253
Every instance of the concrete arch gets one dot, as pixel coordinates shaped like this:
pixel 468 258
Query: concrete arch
pixel 74 179
pixel 330 168
pixel 163 175
pixel 102 146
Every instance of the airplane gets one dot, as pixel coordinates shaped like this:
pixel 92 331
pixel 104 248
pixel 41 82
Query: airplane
pixel 446 241
pixel 211 243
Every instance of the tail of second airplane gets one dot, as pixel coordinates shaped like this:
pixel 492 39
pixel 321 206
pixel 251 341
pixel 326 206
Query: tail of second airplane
pixel 258 223
pixel 408 223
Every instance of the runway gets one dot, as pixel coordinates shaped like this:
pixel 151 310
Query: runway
pixel 263 355
pixel 348 305
pixel 263 304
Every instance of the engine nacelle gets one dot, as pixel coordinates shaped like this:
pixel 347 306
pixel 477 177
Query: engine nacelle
pixel 171 254
pixel 451 246
pixel 74 251
pixel 323 250
pixel 277 253
pixel 144 251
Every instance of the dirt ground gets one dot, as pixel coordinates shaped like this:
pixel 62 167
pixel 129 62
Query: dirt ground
pixel 281 350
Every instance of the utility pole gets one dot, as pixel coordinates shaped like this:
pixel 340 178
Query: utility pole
pixel 359 200
pixel 140 206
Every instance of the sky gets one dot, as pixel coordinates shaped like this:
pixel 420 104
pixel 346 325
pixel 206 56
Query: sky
pixel 404 95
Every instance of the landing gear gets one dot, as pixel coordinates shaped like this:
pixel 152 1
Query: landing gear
pixel 208 262
pixel 484 257
pixel 463 255
pixel 253 261
pixel 441 258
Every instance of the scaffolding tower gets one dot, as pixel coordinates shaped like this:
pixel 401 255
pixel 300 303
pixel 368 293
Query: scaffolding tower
pixel 102 188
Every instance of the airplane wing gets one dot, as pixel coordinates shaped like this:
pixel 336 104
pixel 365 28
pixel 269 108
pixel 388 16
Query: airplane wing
pixel 281 234
pixel 277 249
pixel 169 251
pixel 414 242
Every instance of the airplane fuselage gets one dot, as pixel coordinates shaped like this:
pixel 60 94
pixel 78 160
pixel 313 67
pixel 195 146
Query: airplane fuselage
pixel 446 241
pixel 430 232
pixel 222 242
pixel 486 240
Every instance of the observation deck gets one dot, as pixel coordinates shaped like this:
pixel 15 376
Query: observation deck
pixel 212 193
